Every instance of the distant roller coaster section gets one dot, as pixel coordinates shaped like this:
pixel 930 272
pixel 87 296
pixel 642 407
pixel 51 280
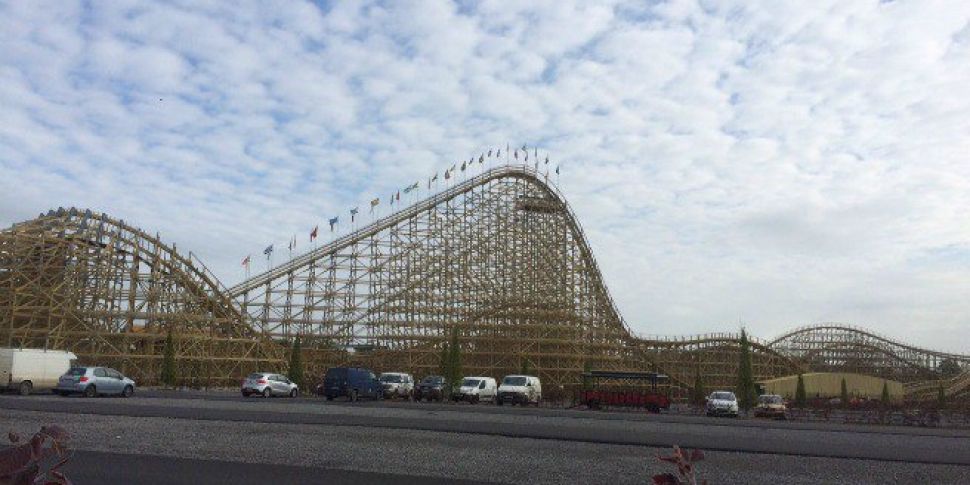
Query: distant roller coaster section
pixel 499 260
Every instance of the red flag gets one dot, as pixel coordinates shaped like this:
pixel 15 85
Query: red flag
pixel 313 235
pixel 246 261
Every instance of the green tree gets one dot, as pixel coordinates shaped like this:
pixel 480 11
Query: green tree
pixel 168 361
pixel 845 393
pixel 296 363
pixel 949 368
pixel 885 393
pixel 746 390
pixel 454 359
pixel 941 396
pixel 587 381
pixel 800 399
pixel 443 360
pixel 526 369
pixel 697 392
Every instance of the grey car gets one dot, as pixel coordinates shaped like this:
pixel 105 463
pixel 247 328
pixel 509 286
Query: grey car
pixel 94 381
pixel 267 384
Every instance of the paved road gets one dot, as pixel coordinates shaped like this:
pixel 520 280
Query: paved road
pixel 98 467
pixel 483 442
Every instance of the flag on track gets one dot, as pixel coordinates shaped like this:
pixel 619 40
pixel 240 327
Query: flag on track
pixel 333 222
pixel 246 261
pixel 374 203
pixel 353 213
pixel 313 233
pixel 268 250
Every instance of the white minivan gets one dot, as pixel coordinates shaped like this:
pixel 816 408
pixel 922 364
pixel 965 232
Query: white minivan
pixel 475 389
pixel 519 389
pixel 28 370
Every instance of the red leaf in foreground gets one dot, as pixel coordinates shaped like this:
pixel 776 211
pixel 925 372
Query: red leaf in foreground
pixel 696 455
pixel 665 479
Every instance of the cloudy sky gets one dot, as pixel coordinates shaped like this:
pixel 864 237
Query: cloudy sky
pixel 747 161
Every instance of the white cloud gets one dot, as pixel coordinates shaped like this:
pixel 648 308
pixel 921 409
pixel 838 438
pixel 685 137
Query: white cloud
pixel 782 164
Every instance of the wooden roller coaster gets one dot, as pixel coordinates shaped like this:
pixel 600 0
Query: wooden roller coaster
pixel 499 258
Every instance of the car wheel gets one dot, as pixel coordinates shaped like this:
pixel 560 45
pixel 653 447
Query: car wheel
pixel 353 395
pixel 90 391
pixel 128 391
pixel 25 388
pixel 245 393
pixel 293 393
pixel 499 402
pixel 330 398
pixel 267 393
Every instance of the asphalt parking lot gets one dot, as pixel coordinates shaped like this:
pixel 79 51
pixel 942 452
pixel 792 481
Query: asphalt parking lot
pixel 209 434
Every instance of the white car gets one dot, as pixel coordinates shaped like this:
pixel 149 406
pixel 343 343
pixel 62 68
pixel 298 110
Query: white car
pixel 517 389
pixel 397 384
pixel 722 403
pixel 475 389
pixel 267 384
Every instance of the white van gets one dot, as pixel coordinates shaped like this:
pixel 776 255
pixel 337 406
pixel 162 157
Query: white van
pixel 28 370
pixel 518 389
pixel 475 389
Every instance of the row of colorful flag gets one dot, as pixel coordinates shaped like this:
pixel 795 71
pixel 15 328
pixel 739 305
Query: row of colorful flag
pixel 396 197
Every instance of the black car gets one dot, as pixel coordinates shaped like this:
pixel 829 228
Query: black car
pixel 432 388
pixel 353 382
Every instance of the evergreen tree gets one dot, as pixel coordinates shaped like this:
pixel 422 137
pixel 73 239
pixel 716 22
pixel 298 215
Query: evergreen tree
pixel 845 393
pixel 454 360
pixel 296 363
pixel 587 381
pixel 941 396
pixel 800 399
pixel 746 390
pixel 526 370
pixel 697 392
pixel 885 393
pixel 443 360
pixel 168 361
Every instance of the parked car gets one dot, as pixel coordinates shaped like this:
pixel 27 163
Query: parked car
pixel 352 382
pixel 397 384
pixel 518 389
pixel 722 403
pixel 475 389
pixel 267 384
pixel 28 370
pixel 94 381
pixel 770 406
pixel 432 388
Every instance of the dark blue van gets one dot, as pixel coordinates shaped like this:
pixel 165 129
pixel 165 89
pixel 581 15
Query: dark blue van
pixel 353 382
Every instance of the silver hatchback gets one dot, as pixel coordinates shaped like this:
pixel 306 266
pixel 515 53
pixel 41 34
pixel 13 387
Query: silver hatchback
pixel 94 381
pixel 267 385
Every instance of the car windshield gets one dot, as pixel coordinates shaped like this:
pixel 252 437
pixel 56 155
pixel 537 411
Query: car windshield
pixel 770 399
pixel 391 378
pixel 433 380
pixel 723 396
pixel 255 376
pixel 76 371
pixel 470 382
pixel 336 373
pixel 513 381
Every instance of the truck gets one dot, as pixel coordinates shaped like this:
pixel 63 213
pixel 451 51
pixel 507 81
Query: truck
pixel 28 370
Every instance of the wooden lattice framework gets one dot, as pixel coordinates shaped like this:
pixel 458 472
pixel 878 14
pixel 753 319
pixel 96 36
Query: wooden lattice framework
pixel 499 258
pixel 831 347
pixel 85 282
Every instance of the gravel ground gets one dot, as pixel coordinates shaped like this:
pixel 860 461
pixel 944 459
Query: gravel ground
pixel 443 454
